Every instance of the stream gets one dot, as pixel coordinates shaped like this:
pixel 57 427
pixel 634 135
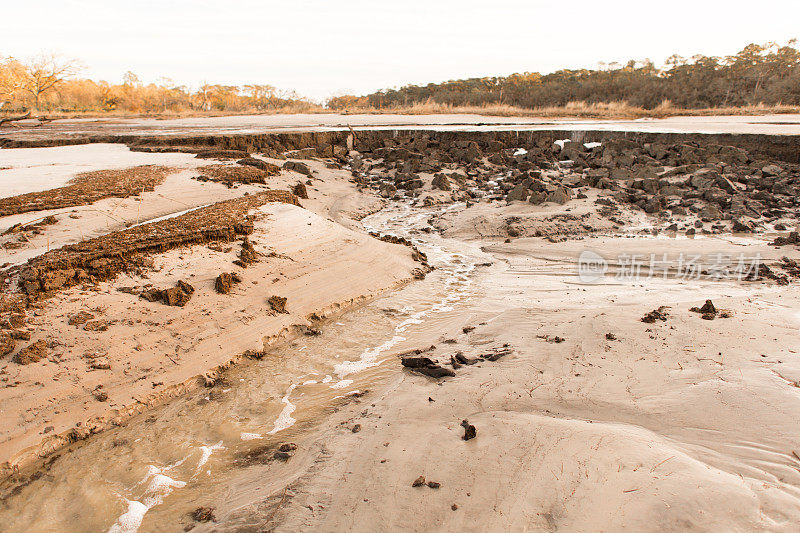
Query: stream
pixel 132 477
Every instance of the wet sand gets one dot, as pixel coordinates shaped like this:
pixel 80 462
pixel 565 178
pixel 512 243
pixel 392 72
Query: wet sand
pixel 679 424
pixel 766 124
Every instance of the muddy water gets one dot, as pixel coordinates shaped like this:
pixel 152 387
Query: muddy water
pixel 132 478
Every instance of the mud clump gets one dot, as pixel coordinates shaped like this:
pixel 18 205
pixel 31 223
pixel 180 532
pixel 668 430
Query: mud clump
pixel 221 154
pixel 87 188
pixel 709 312
pixel 7 344
pixel 175 296
pixel 259 164
pixel 469 430
pixel 225 282
pixel 278 304
pixel 80 318
pixel 426 367
pixel 31 353
pixel 656 314
pixel 103 258
pixel 296 166
pixel 231 176
pixel 300 191
pixel 203 514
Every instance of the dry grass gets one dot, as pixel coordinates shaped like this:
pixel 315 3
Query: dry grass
pixel 614 110
pixel 576 110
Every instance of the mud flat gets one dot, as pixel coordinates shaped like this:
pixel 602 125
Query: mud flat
pixel 515 386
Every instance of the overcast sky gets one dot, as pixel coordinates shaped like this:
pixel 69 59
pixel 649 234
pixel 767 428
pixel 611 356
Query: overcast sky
pixel 325 47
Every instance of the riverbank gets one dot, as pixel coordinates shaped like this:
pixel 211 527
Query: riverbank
pixel 589 381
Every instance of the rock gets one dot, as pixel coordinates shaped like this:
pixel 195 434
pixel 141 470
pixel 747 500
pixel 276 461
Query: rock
pixel 225 282
pixel 80 318
pixel 560 196
pixel 151 295
pixel 7 344
pixel 518 193
pixel 420 481
pixel 657 314
pixel 434 484
pixel 772 170
pixel 469 430
pixel 708 311
pixel 203 514
pixel 356 428
pixel 416 362
pixel 100 395
pixel 297 166
pixel 538 197
pixel 31 353
pixel 281 456
pixel 441 182
pixel 611 337
pixel 248 254
pixel 743 226
pixel 278 304
pixel 454 507
pixel 257 163
pixel 710 212
pixel 387 190
pixel 176 296
pixel 300 191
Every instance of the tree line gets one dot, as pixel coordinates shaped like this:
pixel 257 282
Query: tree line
pixel 49 83
pixel 759 74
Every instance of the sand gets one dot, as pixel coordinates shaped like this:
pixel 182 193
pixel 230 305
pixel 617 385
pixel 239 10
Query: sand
pixel 683 424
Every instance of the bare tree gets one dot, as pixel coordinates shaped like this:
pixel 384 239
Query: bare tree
pixel 44 73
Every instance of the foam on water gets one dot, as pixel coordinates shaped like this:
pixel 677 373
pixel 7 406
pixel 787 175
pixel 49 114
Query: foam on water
pixel 285 419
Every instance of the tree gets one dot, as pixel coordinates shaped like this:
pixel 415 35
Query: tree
pixel 44 73
pixel 11 76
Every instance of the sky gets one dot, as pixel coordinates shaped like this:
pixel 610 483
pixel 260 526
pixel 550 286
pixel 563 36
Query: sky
pixel 324 48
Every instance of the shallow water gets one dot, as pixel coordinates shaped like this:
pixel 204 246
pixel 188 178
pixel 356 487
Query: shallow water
pixel 119 479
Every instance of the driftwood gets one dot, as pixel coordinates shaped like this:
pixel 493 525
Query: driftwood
pixel 14 119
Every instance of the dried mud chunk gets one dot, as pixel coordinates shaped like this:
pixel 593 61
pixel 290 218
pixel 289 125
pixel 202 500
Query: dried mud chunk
pixel 278 304
pixel 656 314
pixel 469 430
pixel 7 344
pixel 248 255
pixel 417 362
pixel 176 297
pixel 225 282
pixel 203 514
pixel 296 166
pixel 31 353
pixel 80 318
pixel 300 191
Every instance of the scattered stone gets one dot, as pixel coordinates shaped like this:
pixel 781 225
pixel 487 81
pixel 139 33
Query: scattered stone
pixel 434 484
pixel 356 428
pixel 225 282
pixel 297 166
pixel 203 514
pixel 656 314
pixel 420 481
pixel 100 395
pixel 80 318
pixel 300 191
pixel 31 353
pixel 707 312
pixel 278 304
pixel 469 430
pixel 611 336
